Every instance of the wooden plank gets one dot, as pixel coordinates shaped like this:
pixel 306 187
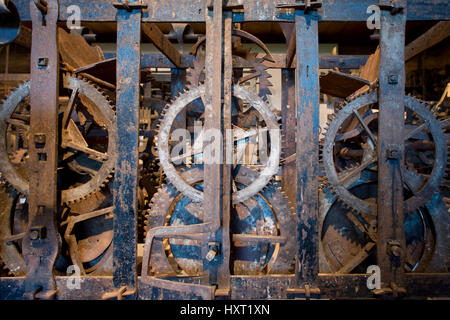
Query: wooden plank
pixel 75 51
pixel 154 34
pixel 338 84
pixel 24 37
pixel 14 77
pixel 436 34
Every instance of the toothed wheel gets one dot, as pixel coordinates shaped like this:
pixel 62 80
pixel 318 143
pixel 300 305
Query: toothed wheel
pixel 87 153
pixel 348 135
pixel 265 214
pixel 196 74
pixel 88 244
pixel 348 240
pixel 271 130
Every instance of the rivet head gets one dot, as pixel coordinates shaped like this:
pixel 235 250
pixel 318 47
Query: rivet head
pixel 393 79
pixel 42 62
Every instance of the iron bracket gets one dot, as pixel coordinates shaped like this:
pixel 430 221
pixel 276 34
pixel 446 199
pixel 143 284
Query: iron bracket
pixel 38 294
pixel 41 5
pixel 393 289
pixel 305 292
pixel 130 6
pixel 390 5
pixel 119 294
pixel 306 6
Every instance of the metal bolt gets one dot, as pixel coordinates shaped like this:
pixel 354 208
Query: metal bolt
pixel 393 79
pixel 213 250
pixel 392 152
pixel 42 62
pixel 34 235
pixel 39 138
pixel 394 248
pixel 37 233
pixel 396 251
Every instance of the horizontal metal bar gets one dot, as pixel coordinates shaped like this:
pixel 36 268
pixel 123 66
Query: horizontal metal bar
pixel 193 10
pixel 157 60
pixel 332 286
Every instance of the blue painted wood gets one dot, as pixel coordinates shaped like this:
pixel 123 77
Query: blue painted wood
pixel 307 99
pixel 193 10
pixel 125 180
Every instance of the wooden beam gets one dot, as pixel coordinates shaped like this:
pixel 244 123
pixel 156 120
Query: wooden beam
pixel 154 34
pixel 436 34
pixel 338 84
pixel 14 77
pixel 24 37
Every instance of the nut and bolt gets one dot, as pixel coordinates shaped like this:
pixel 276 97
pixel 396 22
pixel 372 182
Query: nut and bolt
pixel 213 250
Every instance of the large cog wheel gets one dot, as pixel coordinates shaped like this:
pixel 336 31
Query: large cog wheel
pixel 242 93
pixel 266 213
pixel 348 243
pixel 421 186
pixel 94 165
pixel 88 244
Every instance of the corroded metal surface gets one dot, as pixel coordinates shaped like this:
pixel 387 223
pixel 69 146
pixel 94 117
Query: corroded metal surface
pixel 77 156
pixel 266 214
pixel 388 215
pixel 336 179
pixel 41 242
pixel 125 180
pixel 255 101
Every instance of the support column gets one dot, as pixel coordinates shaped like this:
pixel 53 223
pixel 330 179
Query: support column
pixel 391 247
pixel 213 168
pixel 42 242
pixel 126 174
pixel 307 97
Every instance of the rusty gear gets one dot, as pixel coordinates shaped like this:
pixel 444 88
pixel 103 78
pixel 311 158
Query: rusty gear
pixel 266 213
pixel 93 237
pixel 423 190
pixel 97 105
pixel 195 76
pixel 348 241
pixel 255 101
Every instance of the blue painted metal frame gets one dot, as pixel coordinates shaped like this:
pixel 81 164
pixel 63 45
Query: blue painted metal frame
pixel 307 100
pixel 126 174
pixel 255 10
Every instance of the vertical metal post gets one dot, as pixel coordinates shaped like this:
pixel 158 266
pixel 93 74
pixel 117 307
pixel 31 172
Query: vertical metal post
pixel 307 97
pixel 42 241
pixel 126 174
pixel 288 118
pixel 213 171
pixel 223 235
pixel 391 247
